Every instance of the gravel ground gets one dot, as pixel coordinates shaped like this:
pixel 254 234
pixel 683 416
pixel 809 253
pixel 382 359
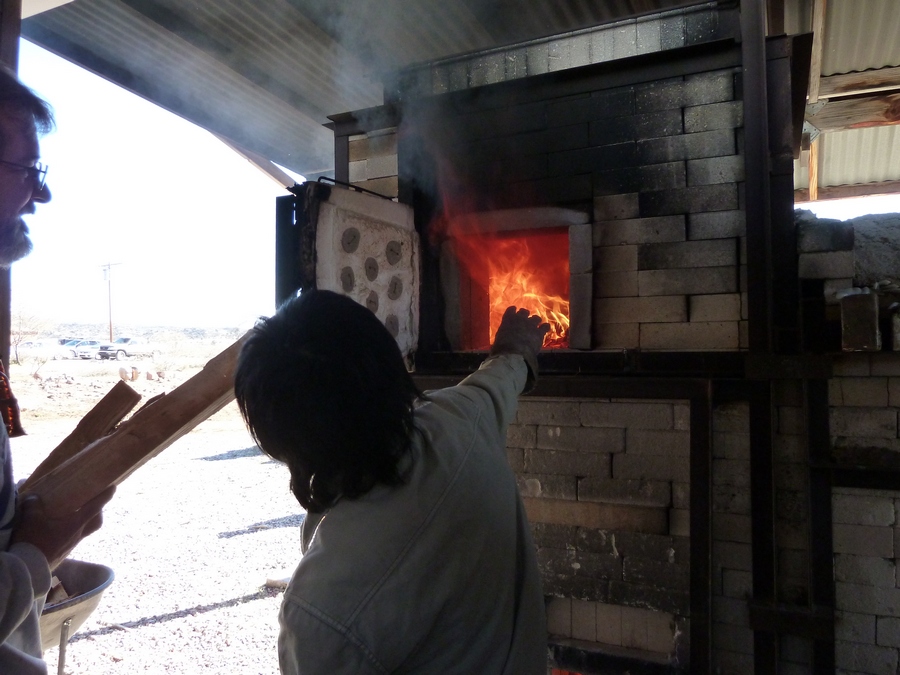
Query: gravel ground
pixel 192 536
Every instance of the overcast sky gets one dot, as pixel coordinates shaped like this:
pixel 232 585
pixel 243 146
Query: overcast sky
pixel 187 223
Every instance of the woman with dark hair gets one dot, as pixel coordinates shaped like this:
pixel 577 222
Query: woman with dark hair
pixel 417 556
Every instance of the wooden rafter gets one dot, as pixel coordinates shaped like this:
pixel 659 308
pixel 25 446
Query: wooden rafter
pixel 891 187
pixel 814 170
pixel 866 82
pixel 818 30
pixel 855 113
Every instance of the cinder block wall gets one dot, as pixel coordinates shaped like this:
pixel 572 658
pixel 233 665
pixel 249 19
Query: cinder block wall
pixel 864 399
pixel 605 484
pixel 373 161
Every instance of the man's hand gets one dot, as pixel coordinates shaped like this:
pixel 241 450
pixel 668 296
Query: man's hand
pixel 56 537
pixel 523 334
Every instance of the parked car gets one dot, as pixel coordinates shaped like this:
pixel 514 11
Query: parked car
pixel 125 348
pixel 35 348
pixel 87 349
pixel 67 350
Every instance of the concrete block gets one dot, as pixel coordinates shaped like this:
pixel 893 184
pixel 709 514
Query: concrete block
pixel 649 597
pixel 860 509
pixel 787 392
pixel 732 556
pixel 650 467
pixel 660 308
pixel 722 335
pixel 547 486
pixel 615 258
pixel 609 624
pixel 864 391
pixel 707 280
pixel 580 250
pixel 548 412
pixel 655 573
pixel 681 413
pixel 595 515
pixel 732 417
pixel 648 630
pixel 861 540
pixel 624 40
pixel 731 663
pixel 715 170
pixel 381 167
pixel 559 617
pixel 731 527
pixel 633 230
pixel 824 235
pixel 671 31
pixel 737 584
pixel 521 436
pixel 568 463
pixel 731 499
pixel 687 146
pixel 853 627
pixel 652 547
pixel 615 284
pixel 835 393
pixel 726 115
pixel 358 171
pixel 638 415
pixel 697 199
pixel 648 36
pixel 616 335
pixel 852 365
pixel 888 631
pixel 561 537
pixel 717 224
pixel 864 422
pixel 633 179
pixel 835 265
pixel 733 472
pixel 688 254
pixel 515 457
pixel 679 523
pixel 681 495
pixel 668 442
pixel 894 392
pixel 865 570
pixel 719 307
pixel 580 439
pixel 616 207
pixel 885 363
pixel 709 87
pixel 731 612
pixel 732 639
pixel 584 620
pixel 635 492
pixel 861 658
pixel 728 445
pixel 659 95
pixel 865 599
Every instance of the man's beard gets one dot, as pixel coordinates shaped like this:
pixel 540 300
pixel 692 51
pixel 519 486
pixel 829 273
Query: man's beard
pixel 14 241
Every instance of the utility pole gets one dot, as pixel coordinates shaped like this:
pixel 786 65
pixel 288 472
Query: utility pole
pixel 107 275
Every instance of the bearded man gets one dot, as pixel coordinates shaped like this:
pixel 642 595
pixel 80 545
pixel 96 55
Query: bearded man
pixel 31 543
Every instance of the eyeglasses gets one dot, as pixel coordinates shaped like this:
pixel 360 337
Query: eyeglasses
pixel 37 173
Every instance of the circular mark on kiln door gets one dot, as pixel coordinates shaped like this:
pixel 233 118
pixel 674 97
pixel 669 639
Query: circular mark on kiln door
pixel 347 279
pixel 392 251
pixel 372 301
pixel 395 288
pixel 371 269
pixel 350 239
pixel 392 323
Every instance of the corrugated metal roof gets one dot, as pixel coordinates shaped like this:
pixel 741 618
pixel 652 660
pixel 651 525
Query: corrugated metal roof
pixel 860 156
pixel 861 35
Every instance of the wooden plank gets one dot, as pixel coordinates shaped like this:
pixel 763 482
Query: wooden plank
pixel 815 66
pixel 856 113
pixel 99 421
pixel 866 82
pixel 814 170
pixel 890 187
pixel 151 430
pixel 774 17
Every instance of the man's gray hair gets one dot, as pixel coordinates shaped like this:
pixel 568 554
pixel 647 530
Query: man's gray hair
pixel 18 100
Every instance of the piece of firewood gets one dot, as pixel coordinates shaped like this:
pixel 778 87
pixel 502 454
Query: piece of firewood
pixel 153 428
pixel 98 422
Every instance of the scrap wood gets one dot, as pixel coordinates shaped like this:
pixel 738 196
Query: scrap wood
pixel 98 422
pixel 109 460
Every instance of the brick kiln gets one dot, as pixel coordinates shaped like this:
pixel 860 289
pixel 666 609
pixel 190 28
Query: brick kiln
pixel 675 458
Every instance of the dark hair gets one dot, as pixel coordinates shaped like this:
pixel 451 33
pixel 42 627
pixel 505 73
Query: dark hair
pixel 323 387
pixel 17 99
